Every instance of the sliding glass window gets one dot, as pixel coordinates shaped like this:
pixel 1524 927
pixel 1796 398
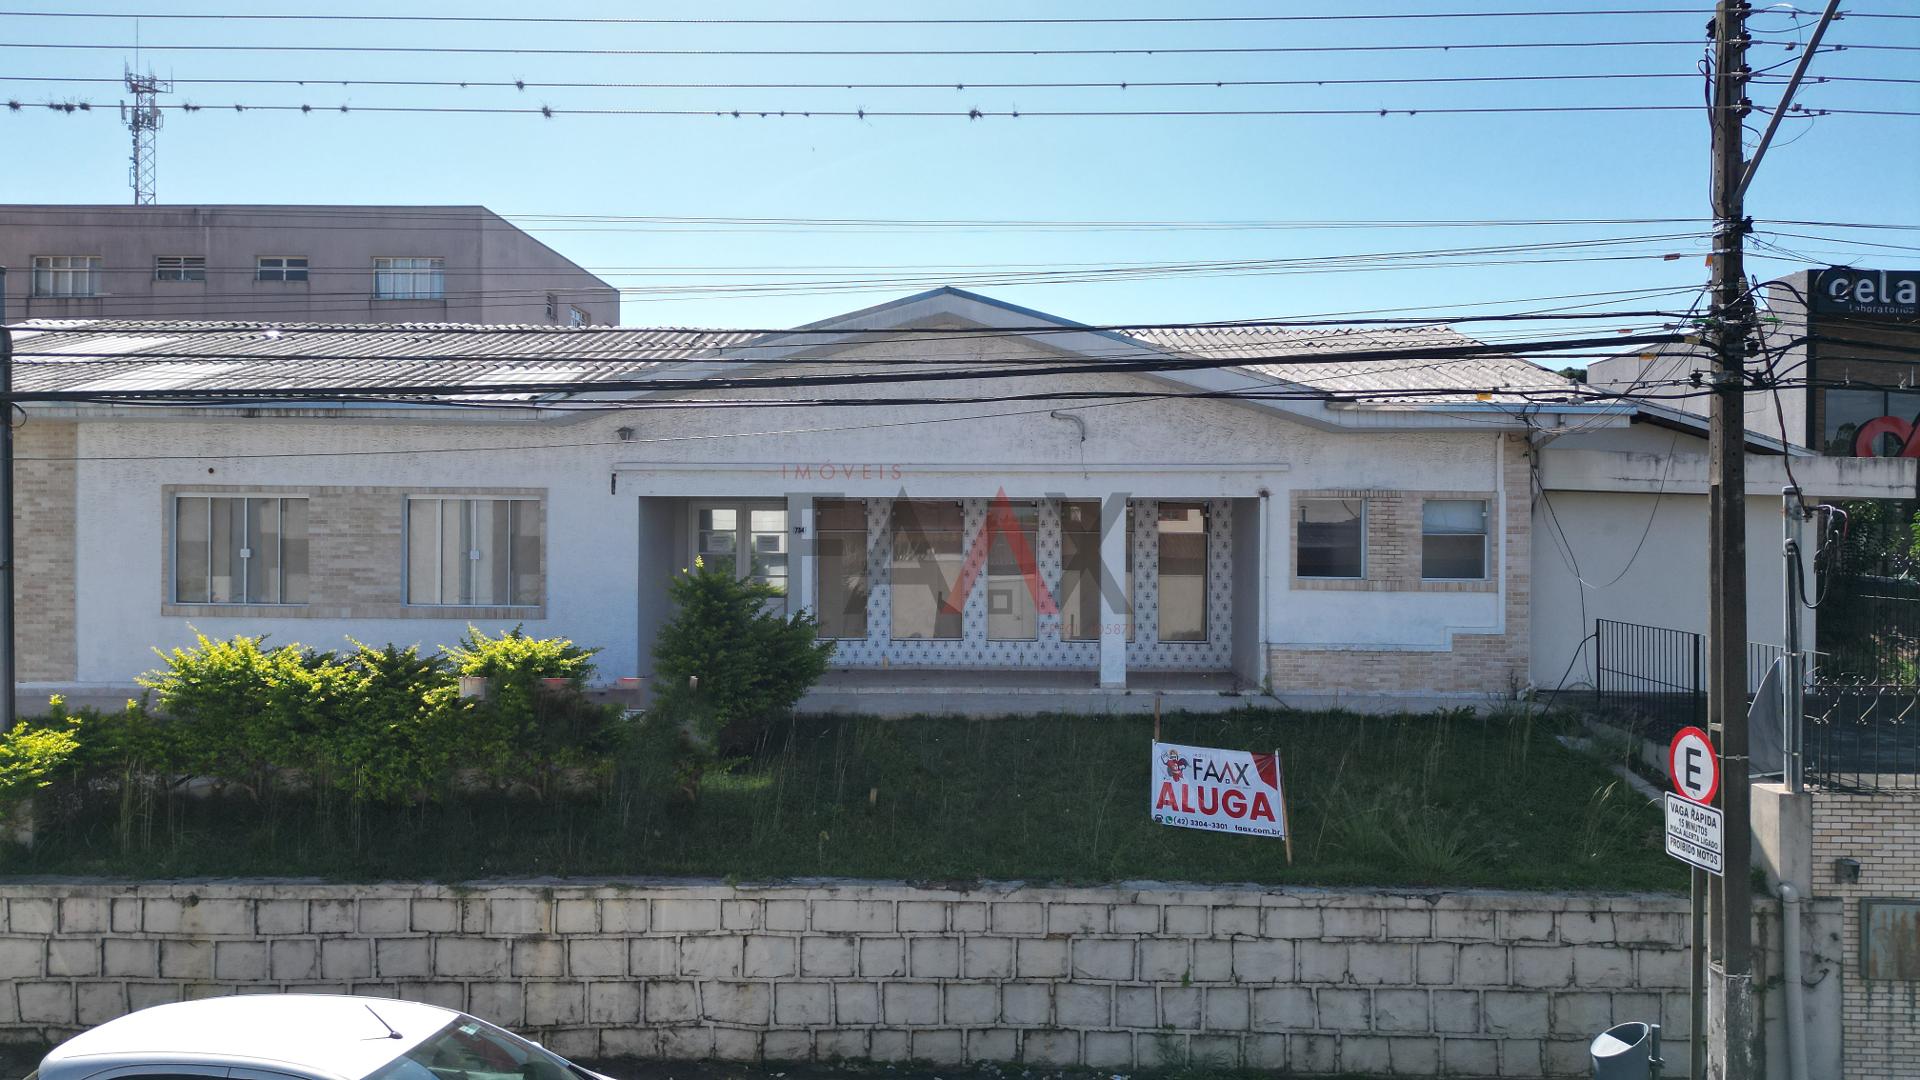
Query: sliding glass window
pixel 473 551
pixel 239 550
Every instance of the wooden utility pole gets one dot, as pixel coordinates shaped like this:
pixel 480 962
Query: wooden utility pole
pixel 1730 1044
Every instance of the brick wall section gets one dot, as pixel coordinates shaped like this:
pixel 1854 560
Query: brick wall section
pixel 1474 663
pixel 1477 984
pixel 44 517
pixel 356 554
pixel 1880 1021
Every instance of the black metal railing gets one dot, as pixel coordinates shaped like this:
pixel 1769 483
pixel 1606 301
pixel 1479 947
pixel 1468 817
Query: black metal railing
pixel 1863 737
pixel 1649 679
pixel 1859 736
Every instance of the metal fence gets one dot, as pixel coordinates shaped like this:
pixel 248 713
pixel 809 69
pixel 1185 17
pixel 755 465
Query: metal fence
pixel 1859 736
pixel 1649 679
pixel 1863 737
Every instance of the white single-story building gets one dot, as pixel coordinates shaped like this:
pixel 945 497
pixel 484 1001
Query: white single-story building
pixel 1249 511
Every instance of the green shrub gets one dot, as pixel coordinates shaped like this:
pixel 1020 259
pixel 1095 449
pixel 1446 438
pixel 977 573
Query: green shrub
pixel 398 730
pixel 28 754
pixel 536 720
pixel 246 714
pixel 752 666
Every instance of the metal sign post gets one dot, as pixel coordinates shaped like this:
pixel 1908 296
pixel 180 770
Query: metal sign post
pixel 1693 825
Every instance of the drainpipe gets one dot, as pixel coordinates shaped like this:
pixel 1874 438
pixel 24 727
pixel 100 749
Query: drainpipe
pixel 1796 988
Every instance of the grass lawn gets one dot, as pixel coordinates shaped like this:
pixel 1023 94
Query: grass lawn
pixel 1445 799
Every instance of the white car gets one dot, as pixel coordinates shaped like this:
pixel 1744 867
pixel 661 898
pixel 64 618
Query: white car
pixel 303 1037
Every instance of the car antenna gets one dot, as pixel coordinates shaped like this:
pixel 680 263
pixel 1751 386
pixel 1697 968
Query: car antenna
pixel 391 1034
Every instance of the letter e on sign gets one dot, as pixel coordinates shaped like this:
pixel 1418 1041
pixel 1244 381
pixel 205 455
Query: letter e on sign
pixel 1692 765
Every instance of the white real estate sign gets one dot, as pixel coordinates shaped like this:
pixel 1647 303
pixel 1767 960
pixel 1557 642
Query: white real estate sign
pixel 1694 833
pixel 1231 791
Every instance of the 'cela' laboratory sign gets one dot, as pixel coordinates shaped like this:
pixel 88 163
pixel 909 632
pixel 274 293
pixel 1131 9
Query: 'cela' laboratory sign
pixel 1842 290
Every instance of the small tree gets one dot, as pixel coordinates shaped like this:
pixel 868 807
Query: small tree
pixel 751 665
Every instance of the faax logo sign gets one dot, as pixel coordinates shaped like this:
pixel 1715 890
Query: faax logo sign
pixel 1841 290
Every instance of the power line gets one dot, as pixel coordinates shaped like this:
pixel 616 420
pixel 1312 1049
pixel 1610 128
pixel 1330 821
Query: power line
pixel 861 113
pixel 1200 50
pixel 976 21
pixel 957 85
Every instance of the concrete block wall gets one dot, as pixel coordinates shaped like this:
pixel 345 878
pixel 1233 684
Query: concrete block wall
pixel 1475 984
pixel 1880 1020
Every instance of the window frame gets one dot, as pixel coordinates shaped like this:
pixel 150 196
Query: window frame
pixel 440 524
pixel 279 273
pixel 1485 534
pixel 280 560
pixel 436 272
pixel 1299 505
pixel 1206 572
pixel 94 270
pixel 866 559
pixel 577 316
pixel 743 531
pixel 180 269
pixel 894 587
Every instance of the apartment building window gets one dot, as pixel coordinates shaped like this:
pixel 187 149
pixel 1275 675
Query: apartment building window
pixel 280 268
pixel 409 278
pixel 180 268
pixel 239 550
pixel 66 275
pixel 1453 539
pixel 576 317
pixel 473 551
pixel 1332 540
pixel 553 308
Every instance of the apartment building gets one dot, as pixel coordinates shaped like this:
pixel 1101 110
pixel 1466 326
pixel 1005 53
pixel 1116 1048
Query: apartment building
pixel 333 264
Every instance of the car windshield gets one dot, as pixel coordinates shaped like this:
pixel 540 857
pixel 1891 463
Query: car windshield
pixel 470 1049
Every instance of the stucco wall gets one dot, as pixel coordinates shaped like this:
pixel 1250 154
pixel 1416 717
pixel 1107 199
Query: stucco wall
pixel 595 481
pixel 1478 984
pixel 1880 1019
pixel 1659 582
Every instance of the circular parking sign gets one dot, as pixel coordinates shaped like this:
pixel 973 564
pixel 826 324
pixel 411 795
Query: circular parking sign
pixel 1691 764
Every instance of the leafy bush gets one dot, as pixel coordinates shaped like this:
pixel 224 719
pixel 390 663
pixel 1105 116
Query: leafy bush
pixel 247 714
pixel 751 665
pixel 28 754
pixel 536 720
pixel 397 732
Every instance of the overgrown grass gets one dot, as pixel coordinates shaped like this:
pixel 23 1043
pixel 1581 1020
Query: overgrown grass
pixel 1444 799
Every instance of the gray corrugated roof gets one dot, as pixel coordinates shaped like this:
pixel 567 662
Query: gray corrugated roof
pixel 201 356
pixel 1377 379
pixel 205 356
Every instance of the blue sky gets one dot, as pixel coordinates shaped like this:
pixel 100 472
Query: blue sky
pixel 1537 166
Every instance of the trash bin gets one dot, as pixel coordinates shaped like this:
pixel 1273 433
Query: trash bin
pixel 1628 1051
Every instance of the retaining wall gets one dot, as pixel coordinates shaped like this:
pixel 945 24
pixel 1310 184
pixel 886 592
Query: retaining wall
pixel 1473 984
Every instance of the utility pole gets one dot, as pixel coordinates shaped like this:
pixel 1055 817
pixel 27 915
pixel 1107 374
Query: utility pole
pixel 1731 1053
pixel 143 120
pixel 7 685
